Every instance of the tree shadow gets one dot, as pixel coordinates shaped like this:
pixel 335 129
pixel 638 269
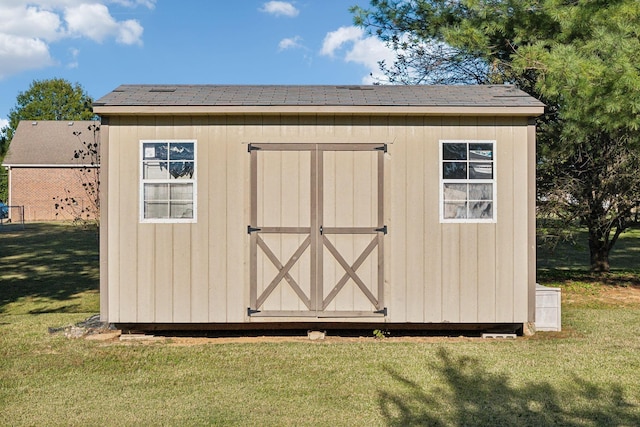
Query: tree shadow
pixel 48 262
pixel 471 395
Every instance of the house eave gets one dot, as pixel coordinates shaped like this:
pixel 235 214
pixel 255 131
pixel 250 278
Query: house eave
pixel 479 110
pixel 36 165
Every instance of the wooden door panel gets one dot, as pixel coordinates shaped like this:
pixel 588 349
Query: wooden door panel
pixel 316 230
pixel 350 272
pixel 283 272
pixel 284 198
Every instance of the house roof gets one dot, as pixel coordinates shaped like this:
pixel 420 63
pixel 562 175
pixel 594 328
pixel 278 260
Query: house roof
pixel 381 99
pixel 47 143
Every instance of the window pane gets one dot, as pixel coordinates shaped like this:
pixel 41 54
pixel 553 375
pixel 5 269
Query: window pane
pixel 454 210
pixel 480 210
pixel 454 151
pixel 454 170
pixel 480 170
pixel 480 192
pixel 181 151
pixel 181 170
pixel 455 192
pixel 156 210
pixel 156 192
pixel 154 151
pixel 480 151
pixel 182 192
pixel 154 170
pixel 181 210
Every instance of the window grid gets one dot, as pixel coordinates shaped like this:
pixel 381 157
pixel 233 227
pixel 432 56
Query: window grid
pixel 168 183
pixel 467 181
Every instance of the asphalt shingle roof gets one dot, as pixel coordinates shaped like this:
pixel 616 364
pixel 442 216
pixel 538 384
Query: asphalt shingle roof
pixel 344 96
pixel 47 143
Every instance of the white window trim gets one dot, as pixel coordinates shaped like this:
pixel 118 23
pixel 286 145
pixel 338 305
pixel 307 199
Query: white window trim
pixel 193 181
pixel 467 181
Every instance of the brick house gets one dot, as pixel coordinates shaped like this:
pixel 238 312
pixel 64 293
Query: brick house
pixel 41 166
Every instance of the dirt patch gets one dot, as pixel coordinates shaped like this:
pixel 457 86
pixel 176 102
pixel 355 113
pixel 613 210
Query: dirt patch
pixel 189 341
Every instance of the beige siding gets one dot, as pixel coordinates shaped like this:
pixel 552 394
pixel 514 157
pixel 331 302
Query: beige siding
pixel 113 219
pixel 214 210
pixel 237 219
pixel 104 228
pixel 433 232
pixel 459 273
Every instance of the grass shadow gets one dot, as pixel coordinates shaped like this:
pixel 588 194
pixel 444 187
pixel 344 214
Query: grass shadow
pixel 574 255
pixel 473 395
pixel 48 264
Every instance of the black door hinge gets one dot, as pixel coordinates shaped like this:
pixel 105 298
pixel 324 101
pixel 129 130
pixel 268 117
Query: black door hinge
pixel 382 229
pixel 383 148
pixel 251 229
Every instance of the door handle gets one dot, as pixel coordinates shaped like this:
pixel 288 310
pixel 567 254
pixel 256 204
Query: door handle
pixel 321 230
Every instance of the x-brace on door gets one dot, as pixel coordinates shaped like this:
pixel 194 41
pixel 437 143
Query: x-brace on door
pixel 317 230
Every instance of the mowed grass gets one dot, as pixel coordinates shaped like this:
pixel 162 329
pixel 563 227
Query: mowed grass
pixel 49 268
pixel 587 375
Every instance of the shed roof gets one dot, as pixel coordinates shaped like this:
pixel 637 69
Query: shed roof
pixel 46 143
pixel 382 99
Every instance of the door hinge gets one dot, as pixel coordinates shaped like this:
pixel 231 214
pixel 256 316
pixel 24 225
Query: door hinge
pixel 252 147
pixel 251 229
pixel 382 148
pixel 251 311
pixel 383 311
pixel 382 229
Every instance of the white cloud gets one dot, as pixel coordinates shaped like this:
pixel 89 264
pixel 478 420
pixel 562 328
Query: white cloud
pixel 290 43
pixel 280 8
pixel 30 27
pixel 149 4
pixel 95 22
pixel 22 53
pixel 336 39
pixel 3 124
pixel 74 54
pixel 31 22
pixel 353 45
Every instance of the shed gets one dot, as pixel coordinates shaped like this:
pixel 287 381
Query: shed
pixel 318 206
pixel 41 166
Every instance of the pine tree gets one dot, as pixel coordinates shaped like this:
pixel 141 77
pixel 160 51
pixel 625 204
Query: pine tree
pixel 582 58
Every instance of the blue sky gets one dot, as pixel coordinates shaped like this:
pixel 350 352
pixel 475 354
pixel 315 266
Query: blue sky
pixel 101 44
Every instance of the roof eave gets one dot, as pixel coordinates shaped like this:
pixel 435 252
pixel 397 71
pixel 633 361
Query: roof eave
pixel 49 165
pixel 478 110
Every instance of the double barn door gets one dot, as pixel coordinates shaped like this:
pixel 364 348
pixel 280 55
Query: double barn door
pixel 317 230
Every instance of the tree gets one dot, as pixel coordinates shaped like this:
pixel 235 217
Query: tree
pixel 582 58
pixel 85 208
pixel 53 99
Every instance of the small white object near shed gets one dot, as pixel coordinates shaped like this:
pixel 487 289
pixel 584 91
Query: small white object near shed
pixel 548 308
pixel 318 206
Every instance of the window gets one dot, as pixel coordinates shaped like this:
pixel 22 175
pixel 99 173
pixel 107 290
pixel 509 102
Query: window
pixel 467 188
pixel 168 181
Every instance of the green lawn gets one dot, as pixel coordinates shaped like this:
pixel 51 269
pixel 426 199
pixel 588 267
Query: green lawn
pixel 625 255
pixel 49 268
pixel 587 375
